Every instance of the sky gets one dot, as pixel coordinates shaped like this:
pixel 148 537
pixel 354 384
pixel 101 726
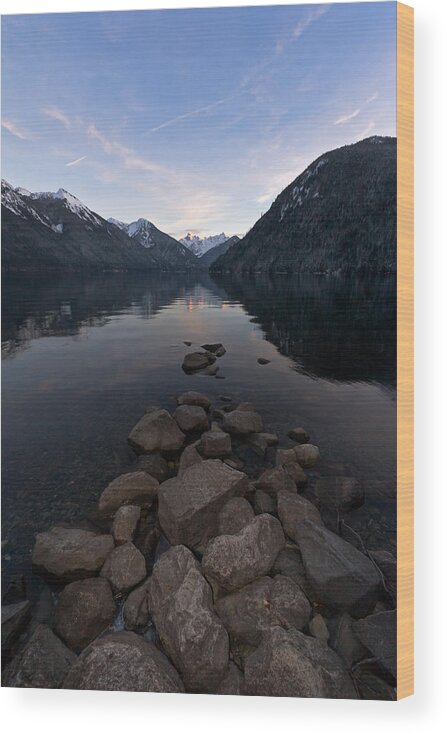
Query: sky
pixel 193 119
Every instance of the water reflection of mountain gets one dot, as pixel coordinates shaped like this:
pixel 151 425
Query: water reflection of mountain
pixel 339 328
pixel 40 306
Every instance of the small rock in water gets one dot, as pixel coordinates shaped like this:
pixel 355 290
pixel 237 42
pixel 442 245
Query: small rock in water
pixel 307 455
pixel 299 435
pixel 125 523
pixel 211 371
pixel 194 398
pixel 263 360
pixel 191 418
pixel 156 431
pixel 340 493
pixel 242 422
pixel 188 344
pixel 217 349
pixel 135 488
pixel 197 361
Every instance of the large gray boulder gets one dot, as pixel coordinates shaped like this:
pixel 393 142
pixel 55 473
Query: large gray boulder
pixel 307 454
pixel 181 604
pixel 215 445
pixel 378 633
pixel 42 663
pixel 124 568
pixel 339 493
pixel 233 561
pixel 300 435
pixel 275 480
pixel 190 503
pixel 84 610
pixel 341 577
pixel 242 422
pixel 123 661
pixel 234 515
pixel 194 398
pixel 264 603
pixel 189 456
pixel 293 509
pixel 15 617
pixel 135 488
pixel 125 523
pixel 289 663
pixel 156 431
pixel 68 554
pixel 191 418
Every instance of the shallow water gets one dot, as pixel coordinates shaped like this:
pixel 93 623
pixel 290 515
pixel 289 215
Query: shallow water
pixel 84 356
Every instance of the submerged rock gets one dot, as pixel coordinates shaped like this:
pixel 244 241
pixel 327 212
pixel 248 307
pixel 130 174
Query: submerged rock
pixel 156 431
pixel 288 663
pixel 125 523
pixel 15 617
pixel 242 422
pixel 194 398
pixel 307 455
pixel 234 561
pixel 341 577
pixel 262 604
pixel 181 605
pixel 189 504
pixel 84 610
pixel 217 349
pixel 68 554
pixel 135 488
pixel 123 661
pixel 191 418
pixel 340 493
pixel 42 663
pixel 124 568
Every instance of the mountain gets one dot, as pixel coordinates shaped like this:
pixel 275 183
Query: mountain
pixel 200 245
pixel 162 246
pixel 338 215
pixel 211 256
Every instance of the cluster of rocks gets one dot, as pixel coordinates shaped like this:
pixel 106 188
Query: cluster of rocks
pixel 204 362
pixel 211 570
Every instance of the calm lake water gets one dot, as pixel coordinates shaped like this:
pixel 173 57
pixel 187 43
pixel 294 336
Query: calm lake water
pixel 84 356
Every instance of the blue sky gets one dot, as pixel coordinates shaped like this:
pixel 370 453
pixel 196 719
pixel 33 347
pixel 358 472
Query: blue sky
pixel 195 119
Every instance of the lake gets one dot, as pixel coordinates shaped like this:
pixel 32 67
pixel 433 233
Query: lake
pixel 84 355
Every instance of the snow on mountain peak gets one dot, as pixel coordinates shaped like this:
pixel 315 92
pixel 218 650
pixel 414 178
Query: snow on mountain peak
pixel 199 245
pixel 142 229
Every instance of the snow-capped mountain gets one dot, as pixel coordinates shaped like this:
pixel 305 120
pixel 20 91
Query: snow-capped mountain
pixel 164 247
pixel 200 245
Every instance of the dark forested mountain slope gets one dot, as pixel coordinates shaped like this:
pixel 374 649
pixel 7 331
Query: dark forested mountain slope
pixel 167 250
pixel 338 215
pixel 211 255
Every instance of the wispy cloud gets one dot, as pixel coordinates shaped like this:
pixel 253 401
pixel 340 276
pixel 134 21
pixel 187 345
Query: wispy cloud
pixel 75 162
pixel 15 130
pixel 366 132
pixel 345 118
pixel 56 114
pixel 126 155
pixel 300 27
pixel 192 113
pixel 372 98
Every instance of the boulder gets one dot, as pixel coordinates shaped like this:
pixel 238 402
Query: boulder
pixel 212 371
pixel 263 503
pixel 345 642
pixel 189 457
pixel 42 663
pixel 68 554
pixel 258 444
pixel 299 435
pixel 307 455
pixel 271 439
pixel 318 628
pixel 285 456
pixel 191 418
pixel 289 663
pixel 293 509
pixel 194 398
pixel 15 617
pixel 156 432
pixel 387 564
pixel 215 445
pixel 370 684
pixel 180 602
pixel 289 563
pixel 378 633
pixel 262 604
pixel 297 473
pixel 123 661
pixel 232 683
pixel 275 480
pixel 194 361
pixel 263 360
pixel 248 407
pixel 125 523
pixel 339 493
pixel 84 610
pixel 135 488
pixel 124 568
pixel 189 504
pixel 217 349
pixel 234 515
pixel 242 422
pixel 234 561
pixel 136 611
pixel 153 464
pixel 341 577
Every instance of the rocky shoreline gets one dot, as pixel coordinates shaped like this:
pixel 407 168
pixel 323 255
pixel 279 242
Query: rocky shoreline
pixel 210 568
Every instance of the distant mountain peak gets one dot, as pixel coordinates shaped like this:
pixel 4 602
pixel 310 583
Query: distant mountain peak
pixel 199 245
